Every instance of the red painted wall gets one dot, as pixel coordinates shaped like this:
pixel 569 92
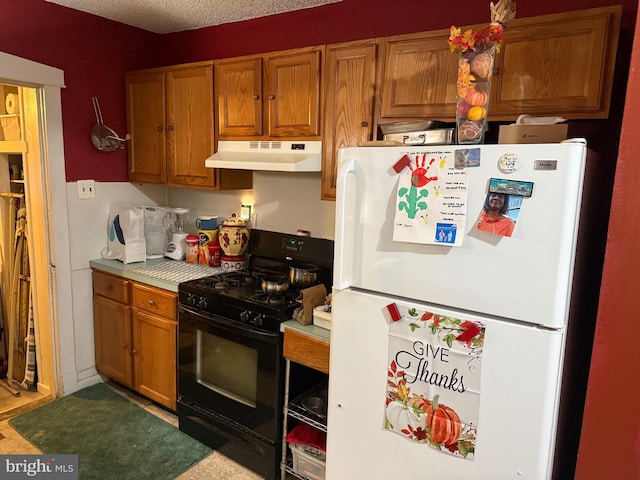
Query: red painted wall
pixel 610 445
pixel 350 20
pixel 95 53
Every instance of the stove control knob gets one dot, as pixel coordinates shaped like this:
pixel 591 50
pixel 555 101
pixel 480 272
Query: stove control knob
pixel 202 303
pixel 244 316
pixel 191 300
pixel 257 321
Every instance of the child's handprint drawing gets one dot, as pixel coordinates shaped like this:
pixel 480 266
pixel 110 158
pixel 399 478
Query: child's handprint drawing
pixel 413 198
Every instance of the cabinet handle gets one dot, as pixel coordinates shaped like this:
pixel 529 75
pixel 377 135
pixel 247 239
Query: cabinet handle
pixel 495 70
pixel 169 127
pixel 159 129
pixel 256 96
pixel 124 346
pixel 364 124
pixel 272 96
pixel 151 302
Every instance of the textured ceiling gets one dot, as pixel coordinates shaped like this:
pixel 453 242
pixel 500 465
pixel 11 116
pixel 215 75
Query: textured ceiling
pixel 164 16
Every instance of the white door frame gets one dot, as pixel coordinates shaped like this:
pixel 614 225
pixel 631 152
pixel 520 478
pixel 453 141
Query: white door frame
pixel 57 364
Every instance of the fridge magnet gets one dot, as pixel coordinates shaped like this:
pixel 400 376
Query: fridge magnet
pixel 431 200
pixel 467 157
pixel 511 187
pixel 499 214
pixel 433 380
pixel 509 162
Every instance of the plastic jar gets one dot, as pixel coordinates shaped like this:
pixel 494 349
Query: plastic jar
pixel 192 249
pixel 214 254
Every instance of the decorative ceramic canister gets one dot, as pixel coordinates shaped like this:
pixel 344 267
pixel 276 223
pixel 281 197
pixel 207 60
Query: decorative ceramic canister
pixel 234 236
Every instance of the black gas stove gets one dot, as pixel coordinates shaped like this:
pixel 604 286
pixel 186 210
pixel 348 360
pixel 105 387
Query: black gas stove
pixel 238 295
pixel 230 363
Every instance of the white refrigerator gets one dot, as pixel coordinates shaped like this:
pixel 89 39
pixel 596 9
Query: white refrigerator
pixel 451 313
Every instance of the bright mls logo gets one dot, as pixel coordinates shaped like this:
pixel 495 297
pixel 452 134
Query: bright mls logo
pixel 51 467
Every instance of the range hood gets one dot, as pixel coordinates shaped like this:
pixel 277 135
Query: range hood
pixel 274 156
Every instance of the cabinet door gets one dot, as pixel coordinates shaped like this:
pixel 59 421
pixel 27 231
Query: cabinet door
pixel 292 86
pixel 112 334
pixel 146 125
pixel 154 355
pixel 418 77
pixel 348 118
pixel 239 96
pixel 190 125
pixel 559 64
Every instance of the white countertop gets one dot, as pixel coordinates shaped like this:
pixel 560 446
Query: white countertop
pixel 161 272
pixel 311 330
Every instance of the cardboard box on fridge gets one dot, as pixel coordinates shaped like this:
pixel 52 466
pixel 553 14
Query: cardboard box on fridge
pixel 533 133
pixel 529 129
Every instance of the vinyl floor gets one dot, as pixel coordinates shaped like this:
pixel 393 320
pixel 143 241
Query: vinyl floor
pixel 215 466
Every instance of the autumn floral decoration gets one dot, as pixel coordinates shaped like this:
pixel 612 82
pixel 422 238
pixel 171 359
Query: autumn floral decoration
pixel 475 68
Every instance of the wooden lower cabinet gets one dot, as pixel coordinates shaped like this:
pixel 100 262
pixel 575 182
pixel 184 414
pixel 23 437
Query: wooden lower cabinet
pixel 135 336
pixel 154 357
pixel 112 330
pixel 306 350
pixel 306 355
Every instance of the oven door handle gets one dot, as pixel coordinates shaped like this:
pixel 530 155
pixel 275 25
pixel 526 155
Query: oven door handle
pixel 229 325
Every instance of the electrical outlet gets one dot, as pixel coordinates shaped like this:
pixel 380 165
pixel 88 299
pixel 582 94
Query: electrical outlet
pixel 86 189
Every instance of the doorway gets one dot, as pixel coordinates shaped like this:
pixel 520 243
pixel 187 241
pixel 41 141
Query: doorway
pixel 22 357
pixel 42 154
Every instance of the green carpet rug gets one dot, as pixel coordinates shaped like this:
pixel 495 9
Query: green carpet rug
pixel 113 437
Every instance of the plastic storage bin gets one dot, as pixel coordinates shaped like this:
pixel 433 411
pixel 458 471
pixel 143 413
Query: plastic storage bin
pixel 306 464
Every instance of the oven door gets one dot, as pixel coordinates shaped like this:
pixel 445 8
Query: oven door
pixel 231 370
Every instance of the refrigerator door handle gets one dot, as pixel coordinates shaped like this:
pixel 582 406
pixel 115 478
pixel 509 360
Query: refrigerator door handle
pixel 345 218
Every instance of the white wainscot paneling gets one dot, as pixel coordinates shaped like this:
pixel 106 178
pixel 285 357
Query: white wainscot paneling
pixel 88 218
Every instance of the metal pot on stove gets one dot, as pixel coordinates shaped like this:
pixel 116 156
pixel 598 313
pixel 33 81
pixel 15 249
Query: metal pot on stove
pixel 274 284
pixel 303 275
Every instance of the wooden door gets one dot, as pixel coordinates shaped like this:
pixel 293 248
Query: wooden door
pixel 146 124
pixel 154 356
pixel 239 97
pixel 292 87
pixel 418 78
pixel 190 125
pixel 350 94
pixel 112 334
pixel 559 65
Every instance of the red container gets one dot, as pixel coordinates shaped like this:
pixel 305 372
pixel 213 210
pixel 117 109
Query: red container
pixel 214 254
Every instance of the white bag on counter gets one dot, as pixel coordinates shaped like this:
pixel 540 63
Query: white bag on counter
pixel 125 234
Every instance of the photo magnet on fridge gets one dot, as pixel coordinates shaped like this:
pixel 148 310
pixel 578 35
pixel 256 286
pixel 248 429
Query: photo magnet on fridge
pixel 467 157
pixel 511 187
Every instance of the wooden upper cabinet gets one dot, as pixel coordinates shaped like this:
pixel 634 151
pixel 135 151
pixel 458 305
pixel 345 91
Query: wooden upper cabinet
pixel 271 95
pixel 146 126
pixel 239 92
pixel 418 77
pixel 190 125
pixel 559 64
pixel 170 118
pixel 292 88
pixel 350 98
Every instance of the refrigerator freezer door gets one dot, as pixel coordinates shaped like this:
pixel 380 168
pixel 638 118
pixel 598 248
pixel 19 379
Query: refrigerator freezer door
pixel 526 277
pixel 517 410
